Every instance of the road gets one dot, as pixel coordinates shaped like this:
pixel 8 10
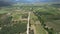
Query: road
pixel 28 23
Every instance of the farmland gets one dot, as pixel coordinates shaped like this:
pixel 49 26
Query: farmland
pixel 44 19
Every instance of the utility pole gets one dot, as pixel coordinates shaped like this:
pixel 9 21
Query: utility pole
pixel 28 23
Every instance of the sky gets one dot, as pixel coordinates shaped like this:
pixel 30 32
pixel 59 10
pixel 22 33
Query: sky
pixel 38 0
pixel 9 2
pixel 26 1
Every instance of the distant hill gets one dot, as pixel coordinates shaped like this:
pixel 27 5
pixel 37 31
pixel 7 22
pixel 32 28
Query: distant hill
pixel 56 5
pixel 5 3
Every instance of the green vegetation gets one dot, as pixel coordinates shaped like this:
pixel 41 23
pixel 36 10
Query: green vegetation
pixel 7 26
pixel 48 15
pixel 3 11
pixel 40 29
pixel 37 24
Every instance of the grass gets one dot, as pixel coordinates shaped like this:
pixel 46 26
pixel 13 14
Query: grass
pixel 53 21
pixel 54 24
pixel 40 29
pixel 3 11
pixel 50 11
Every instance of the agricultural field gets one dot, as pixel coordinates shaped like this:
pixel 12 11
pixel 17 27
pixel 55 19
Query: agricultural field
pixel 10 22
pixel 44 19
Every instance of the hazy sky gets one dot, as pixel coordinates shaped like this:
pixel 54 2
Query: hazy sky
pixel 9 2
pixel 31 0
pixel 38 0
